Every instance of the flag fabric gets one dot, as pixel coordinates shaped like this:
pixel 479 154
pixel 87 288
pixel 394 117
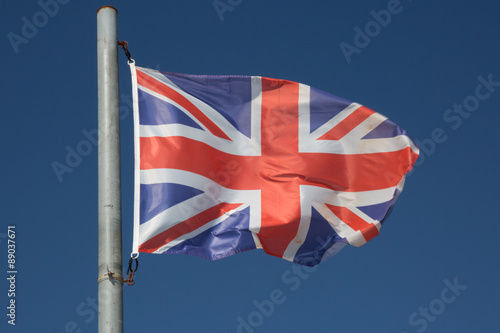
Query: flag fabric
pixel 226 164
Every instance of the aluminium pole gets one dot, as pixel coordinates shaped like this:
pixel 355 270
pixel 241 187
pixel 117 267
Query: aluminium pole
pixel 110 281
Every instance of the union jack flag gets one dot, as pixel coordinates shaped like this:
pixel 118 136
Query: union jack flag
pixel 226 164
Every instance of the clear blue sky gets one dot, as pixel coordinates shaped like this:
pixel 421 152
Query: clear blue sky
pixel 431 66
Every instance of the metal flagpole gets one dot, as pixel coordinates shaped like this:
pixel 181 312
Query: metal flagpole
pixel 110 281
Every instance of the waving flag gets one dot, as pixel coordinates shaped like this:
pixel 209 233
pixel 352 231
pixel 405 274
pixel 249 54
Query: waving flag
pixel 226 164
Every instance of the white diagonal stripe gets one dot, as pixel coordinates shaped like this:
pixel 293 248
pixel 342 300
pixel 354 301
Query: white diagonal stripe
pixel 213 195
pixel 248 146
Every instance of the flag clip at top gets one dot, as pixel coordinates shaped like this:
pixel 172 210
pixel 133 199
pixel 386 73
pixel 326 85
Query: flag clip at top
pixel 124 46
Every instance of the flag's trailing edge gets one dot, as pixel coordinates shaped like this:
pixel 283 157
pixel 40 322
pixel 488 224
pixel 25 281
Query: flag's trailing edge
pixel 226 164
